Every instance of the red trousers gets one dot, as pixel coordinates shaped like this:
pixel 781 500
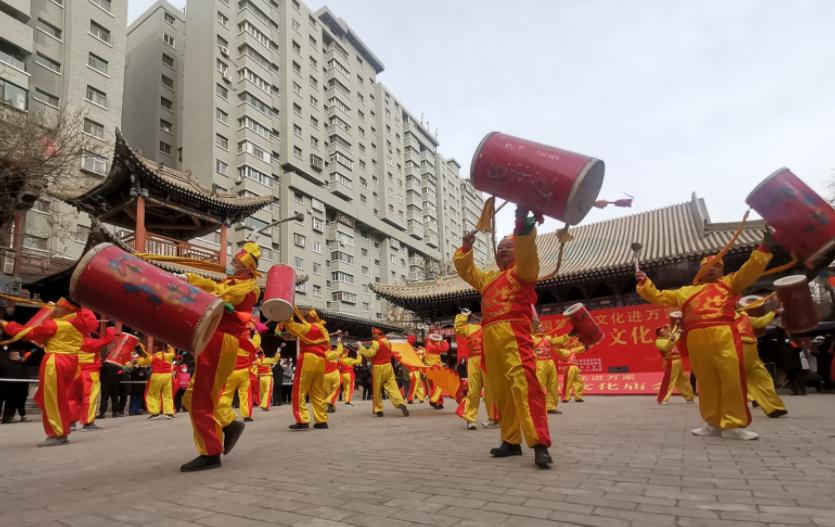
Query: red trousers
pixel 56 395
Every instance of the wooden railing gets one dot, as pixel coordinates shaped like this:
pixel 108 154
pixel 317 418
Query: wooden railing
pixel 156 244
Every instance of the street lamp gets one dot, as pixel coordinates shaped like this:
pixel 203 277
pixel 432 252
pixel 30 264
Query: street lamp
pixel 297 217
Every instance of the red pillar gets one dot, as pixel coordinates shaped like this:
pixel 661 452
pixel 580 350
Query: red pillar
pixel 221 254
pixel 139 238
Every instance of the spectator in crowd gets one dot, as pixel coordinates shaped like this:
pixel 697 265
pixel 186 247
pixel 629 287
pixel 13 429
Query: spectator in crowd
pixel 139 378
pixel 111 387
pixel 364 380
pixel 289 370
pixel 13 395
pixel 180 380
pixel 278 381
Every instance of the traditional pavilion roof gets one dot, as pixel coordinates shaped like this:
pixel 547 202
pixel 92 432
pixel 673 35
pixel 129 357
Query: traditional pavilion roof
pixel 357 327
pixel 177 205
pixel 677 233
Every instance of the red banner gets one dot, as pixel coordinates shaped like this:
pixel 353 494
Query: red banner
pixel 626 361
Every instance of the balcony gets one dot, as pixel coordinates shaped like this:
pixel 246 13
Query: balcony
pixel 432 241
pixel 156 244
pixel 340 188
pixel 339 131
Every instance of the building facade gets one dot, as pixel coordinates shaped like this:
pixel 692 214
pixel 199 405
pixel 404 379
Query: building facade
pixel 276 99
pixel 61 55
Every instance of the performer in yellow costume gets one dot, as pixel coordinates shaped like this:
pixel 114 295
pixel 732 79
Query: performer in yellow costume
pixel 476 379
pixel 674 376
pixel 264 369
pixel 347 377
pixel 217 432
pixel 61 336
pixel 572 380
pixel 712 340
pixel 332 376
pixel 382 374
pixel 759 381
pixel 546 365
pixel 239 381
pixel 314 344
pixel 159 398
pixel 506 298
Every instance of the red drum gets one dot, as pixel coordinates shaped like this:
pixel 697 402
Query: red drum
pixel 587 329
pixel 279 293
pixel 804 222
pixel 146 298
pixel 121 349
pixel 541 178
pixel 799 312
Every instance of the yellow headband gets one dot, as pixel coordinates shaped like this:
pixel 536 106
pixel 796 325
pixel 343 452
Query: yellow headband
pixel 249 255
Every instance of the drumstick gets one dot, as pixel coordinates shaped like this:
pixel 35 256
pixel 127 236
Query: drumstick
pixel 636 255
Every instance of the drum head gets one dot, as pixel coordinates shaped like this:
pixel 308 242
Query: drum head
pixel 206 326
pixel 789 281
pixel 573 309
pixel 749 299
pixel 277 310
pixel 764 182
pixel 584 192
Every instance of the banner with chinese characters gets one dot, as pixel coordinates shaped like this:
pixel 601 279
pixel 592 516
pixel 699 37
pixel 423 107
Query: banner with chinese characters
pixel 626 361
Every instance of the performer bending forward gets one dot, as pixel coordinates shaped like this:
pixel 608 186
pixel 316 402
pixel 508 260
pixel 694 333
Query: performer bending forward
pixel 713 342
pixel 216 431
pixel 506 299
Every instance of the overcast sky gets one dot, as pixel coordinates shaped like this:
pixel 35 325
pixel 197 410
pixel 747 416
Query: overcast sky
pixel 676 97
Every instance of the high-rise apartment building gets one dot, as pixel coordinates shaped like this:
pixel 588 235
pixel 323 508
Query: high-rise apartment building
pixel 62 54
pixel 278 100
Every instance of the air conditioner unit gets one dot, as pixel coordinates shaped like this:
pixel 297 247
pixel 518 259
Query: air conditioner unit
pixel 224 51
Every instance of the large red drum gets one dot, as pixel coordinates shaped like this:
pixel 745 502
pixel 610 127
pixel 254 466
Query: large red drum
pixel 121 349
pixel 804 223
pixel 146 298
pixel 799 312
pixel 587 329
pixel 541 178
pixel 279 293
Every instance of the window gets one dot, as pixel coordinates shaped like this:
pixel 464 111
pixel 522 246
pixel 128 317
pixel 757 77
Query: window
pixel 257 80
pixel 317 247
pixel 222 68
pixel 223 20
pixel 222 141
pixel 314 122
pixel 166 81
pixel 221 167
pixel 343 257
pixel 297 67
pixel 41 95
pixel 297 151
pixel 93 128
pixel 168 17
pixel 256 103
pixel 297 88
pixel 344 296
pixel 97 63
pixel 317 290
pixel 93 163
pixel 313 82
pixel 297 130
pixel 314 102
pixel 166 104
pixel 49 29
pixel 48 63
pixel 318 225
pixel 365 270
pixel 255 126
pixel 222 91
pixel 296 24
pixel 296 46
pixel 102 33
pixel 168 60
pixel 35 242
pixel 257 151
pixel 298 197
pixel 96 96
pixel 317 269
pixel 339 276
pixel 104 4
pixel 255 175
pixel 165 148
pixel 221 116
pixel 298 263
pixel 258 35
pixel 222 42
pixel 168 40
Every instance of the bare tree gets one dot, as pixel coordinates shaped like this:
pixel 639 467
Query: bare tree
pixel 37 151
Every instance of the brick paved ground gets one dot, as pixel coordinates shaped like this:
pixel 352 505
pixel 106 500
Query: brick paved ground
pixel 619 461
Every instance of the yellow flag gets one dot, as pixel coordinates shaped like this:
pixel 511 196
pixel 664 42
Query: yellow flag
pixel 485 222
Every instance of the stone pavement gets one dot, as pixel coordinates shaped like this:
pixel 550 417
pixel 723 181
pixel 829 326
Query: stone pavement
pixel 619 461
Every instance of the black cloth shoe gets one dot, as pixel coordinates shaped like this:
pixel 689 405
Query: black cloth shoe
pixel 331 408
pixel 201 463
pixel 321 426
pixel 404 410
pixel 409 402
pixel 506 449
pixel 91 427
pixel 755 404
pixel 102 416
pixel 231 433
pixel 299 426
pixel 248 419
pixel 378 414
pixel 541 457
pixel 778 413
pixel 554 412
